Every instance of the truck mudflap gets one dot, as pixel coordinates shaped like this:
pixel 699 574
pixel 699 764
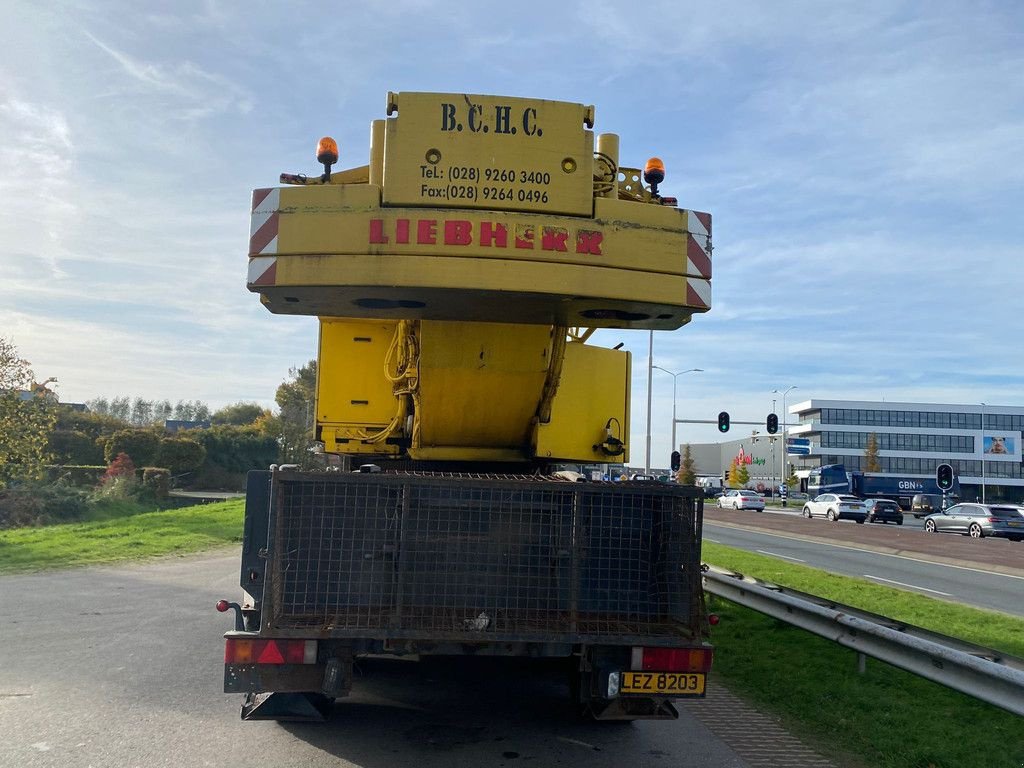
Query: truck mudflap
pixel 287 707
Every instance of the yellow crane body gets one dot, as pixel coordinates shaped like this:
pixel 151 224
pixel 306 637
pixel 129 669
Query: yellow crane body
pixel 456 276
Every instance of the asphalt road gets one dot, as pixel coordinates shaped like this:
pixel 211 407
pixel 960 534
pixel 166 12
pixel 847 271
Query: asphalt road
pixel 967 582
pixel 123 667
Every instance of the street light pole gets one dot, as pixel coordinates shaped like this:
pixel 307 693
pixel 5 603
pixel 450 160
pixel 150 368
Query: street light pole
pixel 650 377
pixel 674 377
pixel 982 453
pixel 785 416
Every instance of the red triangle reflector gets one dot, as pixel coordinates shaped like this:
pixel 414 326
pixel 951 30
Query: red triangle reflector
pixel 271 654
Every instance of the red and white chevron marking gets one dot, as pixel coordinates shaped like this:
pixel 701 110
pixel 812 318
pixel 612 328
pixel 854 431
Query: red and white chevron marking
pixel 263 225
pixel 698 293
pixel 698 244
pixel 262 270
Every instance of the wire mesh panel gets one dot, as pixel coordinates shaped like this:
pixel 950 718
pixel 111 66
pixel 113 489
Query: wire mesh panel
pixel 483 558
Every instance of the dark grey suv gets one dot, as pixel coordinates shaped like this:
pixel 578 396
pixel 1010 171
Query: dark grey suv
pixel 884 511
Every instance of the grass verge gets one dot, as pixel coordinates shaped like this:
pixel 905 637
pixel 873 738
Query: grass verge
pixel 887 718
pixel 175 531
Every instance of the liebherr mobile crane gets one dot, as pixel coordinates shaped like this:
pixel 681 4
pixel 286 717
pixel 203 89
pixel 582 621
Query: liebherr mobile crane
pixel 457 278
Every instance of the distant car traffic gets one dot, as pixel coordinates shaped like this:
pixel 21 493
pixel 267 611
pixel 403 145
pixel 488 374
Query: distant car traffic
pixel 883 511
pixel 978 521
pixel 836 507
pixel 740 498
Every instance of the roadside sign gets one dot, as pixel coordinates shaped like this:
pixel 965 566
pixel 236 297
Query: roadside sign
pixel 798 446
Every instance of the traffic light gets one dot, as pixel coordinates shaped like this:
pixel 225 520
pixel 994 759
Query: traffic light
pixel 676 461
pixel 944 477
pixel 773 424
pixel 723 421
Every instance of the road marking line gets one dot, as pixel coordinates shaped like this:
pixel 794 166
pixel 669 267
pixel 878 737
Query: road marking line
pixel 776 554
pixel 872 552
pixel 902 584
pixel 716 541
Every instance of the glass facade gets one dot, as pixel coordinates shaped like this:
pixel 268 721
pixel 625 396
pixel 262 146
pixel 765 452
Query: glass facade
pixel 957 450
pixel 899 442
pixel 864 417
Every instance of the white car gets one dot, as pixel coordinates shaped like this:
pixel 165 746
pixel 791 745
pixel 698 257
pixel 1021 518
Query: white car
pixel 741 499
pixel 836 507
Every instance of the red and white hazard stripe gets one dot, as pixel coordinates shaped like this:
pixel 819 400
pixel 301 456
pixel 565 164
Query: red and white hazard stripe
pixel 698 293
pixel 264 222
pixel 698 244
pixel 262 270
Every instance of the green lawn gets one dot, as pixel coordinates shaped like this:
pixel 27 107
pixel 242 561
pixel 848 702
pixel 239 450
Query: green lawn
pixel 175 531
pixel 886 717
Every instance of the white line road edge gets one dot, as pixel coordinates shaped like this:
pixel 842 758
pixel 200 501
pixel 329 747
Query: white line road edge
pixel 784 557
pixel 904 584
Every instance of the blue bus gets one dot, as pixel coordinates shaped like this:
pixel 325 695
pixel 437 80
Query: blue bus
pixel 833 478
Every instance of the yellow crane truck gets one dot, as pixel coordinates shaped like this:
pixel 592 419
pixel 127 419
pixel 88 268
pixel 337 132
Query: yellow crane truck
pixel 457 278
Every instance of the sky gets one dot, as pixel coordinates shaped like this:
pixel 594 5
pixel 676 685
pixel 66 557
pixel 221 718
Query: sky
pixel 863 161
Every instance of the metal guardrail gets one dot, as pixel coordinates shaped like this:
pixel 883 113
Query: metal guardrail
pixel 984 673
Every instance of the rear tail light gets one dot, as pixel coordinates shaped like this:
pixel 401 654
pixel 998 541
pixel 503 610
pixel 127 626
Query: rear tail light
pixel 674 659
pixel 246 651
pixel 995 520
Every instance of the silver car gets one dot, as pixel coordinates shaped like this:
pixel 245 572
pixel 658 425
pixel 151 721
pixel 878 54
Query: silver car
pixel 836 507
pixel 978 521
pixel 740 498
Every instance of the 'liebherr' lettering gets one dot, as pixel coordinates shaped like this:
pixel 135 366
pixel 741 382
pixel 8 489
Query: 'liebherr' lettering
pixel 485 234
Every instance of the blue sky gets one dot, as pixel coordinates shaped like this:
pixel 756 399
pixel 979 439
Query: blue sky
pixel 864 162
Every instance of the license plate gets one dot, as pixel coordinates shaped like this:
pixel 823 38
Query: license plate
pixel 687 683
pixel 1016 524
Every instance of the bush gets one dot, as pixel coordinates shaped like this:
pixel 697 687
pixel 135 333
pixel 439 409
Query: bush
pixel 70 446
pixel 76 475
pixel 156 482
pixel 230 453
pixel 181 454
pixel 141 445
pixel 36 504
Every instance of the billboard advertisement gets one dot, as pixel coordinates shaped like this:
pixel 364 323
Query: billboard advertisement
pixel 1000 445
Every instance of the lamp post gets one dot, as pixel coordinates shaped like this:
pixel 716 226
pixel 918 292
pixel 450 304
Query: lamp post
pixel 785 413
pixel 650 376
pixel 674 377
pixel 982 453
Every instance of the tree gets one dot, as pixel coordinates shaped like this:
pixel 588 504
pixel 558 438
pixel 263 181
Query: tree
pixel 738 474
pixel 687 474
pixel 238 414
pixel 732 478
pixel 871 462
pixel 25 422
pixel 142 412
pixel 121 408
pixel 296 399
